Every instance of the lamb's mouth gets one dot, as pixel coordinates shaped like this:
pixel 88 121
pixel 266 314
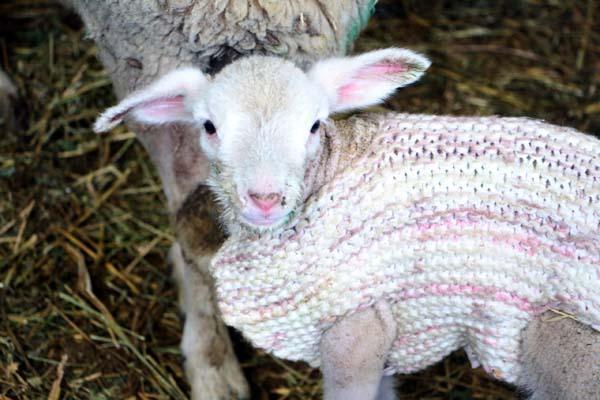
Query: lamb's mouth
pixel 268 222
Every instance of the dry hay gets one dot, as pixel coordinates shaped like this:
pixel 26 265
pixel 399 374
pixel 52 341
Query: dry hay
pixel 87 310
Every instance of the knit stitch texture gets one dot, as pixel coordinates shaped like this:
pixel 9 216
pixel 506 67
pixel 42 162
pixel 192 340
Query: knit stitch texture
pixel 469 227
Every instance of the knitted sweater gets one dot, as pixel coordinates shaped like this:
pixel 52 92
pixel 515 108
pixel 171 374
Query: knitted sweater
pixel 468 227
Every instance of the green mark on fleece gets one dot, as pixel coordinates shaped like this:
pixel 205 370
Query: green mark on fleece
pixel 359 23
pixel 291 215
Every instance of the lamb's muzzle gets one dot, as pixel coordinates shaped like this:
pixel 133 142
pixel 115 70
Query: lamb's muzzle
pixel 469 227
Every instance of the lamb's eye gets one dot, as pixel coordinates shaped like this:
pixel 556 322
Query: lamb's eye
pixel 315 126
pixel 210 128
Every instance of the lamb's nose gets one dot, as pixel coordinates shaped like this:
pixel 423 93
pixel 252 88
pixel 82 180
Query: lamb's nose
pixel 264 201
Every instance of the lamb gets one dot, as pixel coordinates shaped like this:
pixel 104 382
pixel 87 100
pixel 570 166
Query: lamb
pixel 381 243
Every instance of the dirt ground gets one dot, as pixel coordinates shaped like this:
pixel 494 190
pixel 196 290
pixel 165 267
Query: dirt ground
pixel 87 310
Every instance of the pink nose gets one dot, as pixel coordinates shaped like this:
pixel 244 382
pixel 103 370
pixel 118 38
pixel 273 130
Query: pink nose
pixel 264 201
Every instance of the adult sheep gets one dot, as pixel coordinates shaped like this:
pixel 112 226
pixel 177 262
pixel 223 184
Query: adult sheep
pixel 140 40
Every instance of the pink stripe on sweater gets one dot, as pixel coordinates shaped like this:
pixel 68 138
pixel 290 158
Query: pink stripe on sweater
pixel 485 292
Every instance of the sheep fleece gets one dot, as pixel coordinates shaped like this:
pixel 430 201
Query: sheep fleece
pixel 468 227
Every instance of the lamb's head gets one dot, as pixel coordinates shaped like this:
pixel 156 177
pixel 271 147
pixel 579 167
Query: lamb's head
pixel 259 121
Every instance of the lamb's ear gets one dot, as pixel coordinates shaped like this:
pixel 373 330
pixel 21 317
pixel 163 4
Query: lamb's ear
pixel 165 100
pixel 367 79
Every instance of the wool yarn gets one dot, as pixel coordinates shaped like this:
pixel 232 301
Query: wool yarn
pixel 469 227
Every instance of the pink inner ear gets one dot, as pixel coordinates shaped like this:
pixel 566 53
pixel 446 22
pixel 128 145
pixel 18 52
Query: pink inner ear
pixel 361 81
pixel 163 108
pixel 166 107
pixel 380 70
pixel 350 92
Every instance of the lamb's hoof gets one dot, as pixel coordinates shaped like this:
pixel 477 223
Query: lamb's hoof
pixel 226 383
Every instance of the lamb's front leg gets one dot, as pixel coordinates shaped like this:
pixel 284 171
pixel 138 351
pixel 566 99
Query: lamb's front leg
pixel 210 364
pixel 353 354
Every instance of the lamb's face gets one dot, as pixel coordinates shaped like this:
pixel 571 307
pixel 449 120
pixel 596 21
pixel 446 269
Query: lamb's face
pixel 260 122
